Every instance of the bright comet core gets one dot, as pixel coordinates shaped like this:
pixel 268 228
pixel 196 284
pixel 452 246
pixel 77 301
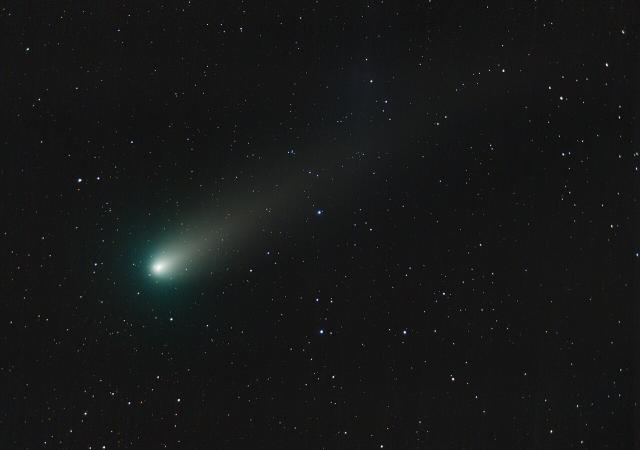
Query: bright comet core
pixel 158 268
pixel 161 267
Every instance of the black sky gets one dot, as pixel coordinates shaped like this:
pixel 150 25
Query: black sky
pixel 440 203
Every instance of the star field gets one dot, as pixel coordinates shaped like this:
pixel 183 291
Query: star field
pixel 319 225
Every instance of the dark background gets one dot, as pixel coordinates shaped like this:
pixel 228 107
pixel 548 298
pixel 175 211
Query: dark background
pixel 468 283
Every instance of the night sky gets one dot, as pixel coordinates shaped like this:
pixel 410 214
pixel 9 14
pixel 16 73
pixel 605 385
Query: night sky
pixel 312 225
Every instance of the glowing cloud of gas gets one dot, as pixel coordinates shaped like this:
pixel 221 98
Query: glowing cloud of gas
pixel 237 217
pixel 192 249
pixel 200 244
